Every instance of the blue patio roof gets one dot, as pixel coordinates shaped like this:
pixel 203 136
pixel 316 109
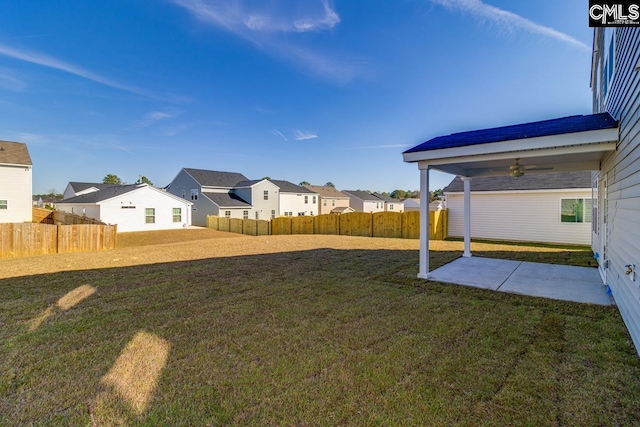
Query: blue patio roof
pixel 551 127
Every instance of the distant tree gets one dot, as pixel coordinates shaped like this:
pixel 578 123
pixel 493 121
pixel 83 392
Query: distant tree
pixel 112 179
pixel 268 178
pixel 434 195
pixel 330 184
pixel 144 180
pixel 304 183
pixel 398 194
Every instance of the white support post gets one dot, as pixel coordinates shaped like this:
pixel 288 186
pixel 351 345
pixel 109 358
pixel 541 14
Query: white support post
pixel 467 216
pixel 424 224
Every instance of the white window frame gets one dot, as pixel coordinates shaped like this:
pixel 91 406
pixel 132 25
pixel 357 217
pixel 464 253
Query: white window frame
pixel 177 215
pixel 227 214
pixel 245 214
pixel 149 215
pixel 265 194
pixel 4 204
pixel 587 211
pixel 194 194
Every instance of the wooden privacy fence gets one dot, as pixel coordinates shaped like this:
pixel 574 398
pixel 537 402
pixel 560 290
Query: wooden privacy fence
pixel 24 239
pixel 404 225
pixel 46 216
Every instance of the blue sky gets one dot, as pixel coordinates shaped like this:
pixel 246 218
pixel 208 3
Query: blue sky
pixel 312 90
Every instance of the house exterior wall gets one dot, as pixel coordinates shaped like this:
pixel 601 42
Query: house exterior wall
pixel 327 204
pixel 133 217
pixel 262 208
pixel 617 239
pixel 394 207
pixel 15 188
pixel 295 203
pixel 519 215
pixel 368 206
pixel 181 186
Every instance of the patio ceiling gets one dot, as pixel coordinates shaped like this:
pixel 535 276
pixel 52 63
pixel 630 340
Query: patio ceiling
pixel 560 145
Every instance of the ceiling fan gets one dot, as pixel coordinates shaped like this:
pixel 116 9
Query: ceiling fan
pixel 517 170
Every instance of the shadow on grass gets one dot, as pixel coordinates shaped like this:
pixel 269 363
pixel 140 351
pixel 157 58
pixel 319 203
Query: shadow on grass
pixel 345 336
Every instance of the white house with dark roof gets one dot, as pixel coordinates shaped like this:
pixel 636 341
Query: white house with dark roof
pixel 551 207
pixel 296 200
pixel 136 207
pixel 15 182
pixel 362 201
pixel 606 142
pixel 330 200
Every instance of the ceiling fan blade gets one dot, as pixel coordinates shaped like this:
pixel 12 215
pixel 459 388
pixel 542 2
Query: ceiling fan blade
pixel 538 168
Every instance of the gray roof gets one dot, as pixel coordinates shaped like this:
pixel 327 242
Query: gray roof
pixel 226 200
pixel 14 153
pixel 386 198
pixel 247 183
pixel 326 191
pixel 208 178
pixel 290 187
pixel 546 181
pixel 106 193
pixel 363 195
pixel 81 186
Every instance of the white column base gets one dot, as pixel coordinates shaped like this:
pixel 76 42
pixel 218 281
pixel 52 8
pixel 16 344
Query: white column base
pixel 423 276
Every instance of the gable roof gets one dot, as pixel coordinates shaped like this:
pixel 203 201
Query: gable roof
pixel 208 178
pixel 14 153
pixel 326 191
pixel 387 199
pixel 551 127
pixel 112 191
pixel 226 200
pixel 546 181
pixel 362 195
pixel 105 193
pixel 290 187
pixel 81 186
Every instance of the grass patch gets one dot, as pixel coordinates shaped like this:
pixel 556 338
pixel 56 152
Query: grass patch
pixel 300 330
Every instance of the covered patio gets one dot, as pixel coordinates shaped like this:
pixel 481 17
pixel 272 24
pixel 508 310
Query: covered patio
pixel 575 143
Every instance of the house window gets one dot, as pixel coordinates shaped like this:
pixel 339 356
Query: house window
pixel 273 213
pixel 324 202
pixel 266 194
pixel 177 215
pixel 194 194
pixel 306 200
pixel 257 215
pixel 3 204
pixel 390 206
pixel 127 207
pixel 227 214
pixel 609 61
pixel 245 214
pixel 300 213
pixel 333 202
pixel 575 210
pixel 150 215
pixel 313 200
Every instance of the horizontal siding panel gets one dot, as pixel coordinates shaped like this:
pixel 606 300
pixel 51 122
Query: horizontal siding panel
pixel 525 216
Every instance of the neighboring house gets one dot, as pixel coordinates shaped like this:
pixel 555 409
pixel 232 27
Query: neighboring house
pixel 362 201
pixel 330 200
pixel 606 142
pixel 551 208
pixel 390 204
pixel 136 207
pixel 411 205
pixel 79 188
pixel 211 193
pixel 296 200
pixel 15 182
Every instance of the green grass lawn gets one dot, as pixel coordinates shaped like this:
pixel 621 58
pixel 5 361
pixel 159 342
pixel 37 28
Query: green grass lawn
pixel 323 336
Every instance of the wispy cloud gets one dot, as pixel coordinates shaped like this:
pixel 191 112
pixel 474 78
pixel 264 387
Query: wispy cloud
pixel 278 133
pixel 154 117
pixel 300 135
pixel 269 28
pixel 507 20
pixel 9 80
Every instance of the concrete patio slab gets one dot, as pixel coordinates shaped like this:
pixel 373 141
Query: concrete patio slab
pixel 561 282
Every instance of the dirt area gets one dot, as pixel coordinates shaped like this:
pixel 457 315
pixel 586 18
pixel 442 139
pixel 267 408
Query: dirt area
pixel 192 244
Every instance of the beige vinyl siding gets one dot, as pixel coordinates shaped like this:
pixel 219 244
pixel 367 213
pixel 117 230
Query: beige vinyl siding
pixel 523 215
pixel 622 170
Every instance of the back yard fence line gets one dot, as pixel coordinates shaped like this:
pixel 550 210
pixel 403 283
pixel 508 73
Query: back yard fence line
pixel 24 239
pixel 46 216
pixel 404 225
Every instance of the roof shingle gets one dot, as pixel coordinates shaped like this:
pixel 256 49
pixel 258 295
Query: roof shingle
pixel 546 181
pixel 208 178
pixel 14 153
